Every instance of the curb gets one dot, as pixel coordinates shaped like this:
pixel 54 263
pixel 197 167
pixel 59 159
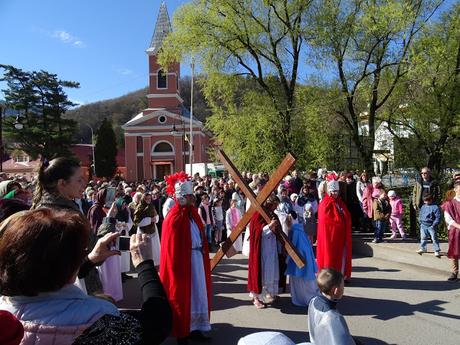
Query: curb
pixel 405 255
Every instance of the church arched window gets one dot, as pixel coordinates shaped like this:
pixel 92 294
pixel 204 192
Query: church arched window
pixel 161 80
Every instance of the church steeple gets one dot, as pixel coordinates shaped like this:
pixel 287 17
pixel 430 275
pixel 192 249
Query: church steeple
pixel 162 28
pixel 163 84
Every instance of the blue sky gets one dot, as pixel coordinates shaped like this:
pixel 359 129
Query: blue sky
pixel 99 43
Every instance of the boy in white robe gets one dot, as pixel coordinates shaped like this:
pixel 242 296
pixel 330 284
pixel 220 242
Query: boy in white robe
pixel 325 324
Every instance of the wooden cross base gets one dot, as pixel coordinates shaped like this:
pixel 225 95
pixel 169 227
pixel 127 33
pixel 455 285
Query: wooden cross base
pixel 256 205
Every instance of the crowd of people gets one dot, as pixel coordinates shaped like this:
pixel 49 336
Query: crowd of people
pixel 64 253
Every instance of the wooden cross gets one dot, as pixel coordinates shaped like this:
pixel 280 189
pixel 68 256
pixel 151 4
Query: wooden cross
pixel 256 205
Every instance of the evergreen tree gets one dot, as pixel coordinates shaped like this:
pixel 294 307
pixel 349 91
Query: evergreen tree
pixel 41 102
pixel 106 150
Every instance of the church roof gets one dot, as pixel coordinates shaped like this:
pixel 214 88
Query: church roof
pixel 162 28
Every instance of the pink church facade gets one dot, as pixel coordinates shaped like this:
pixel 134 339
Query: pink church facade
pixel 157 139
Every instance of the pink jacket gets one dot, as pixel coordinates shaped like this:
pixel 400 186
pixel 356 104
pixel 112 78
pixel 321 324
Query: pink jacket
pixel 367 200
pixel 396 206
pixel 38 334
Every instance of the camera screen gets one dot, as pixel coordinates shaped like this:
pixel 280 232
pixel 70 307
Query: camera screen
pixel 123 243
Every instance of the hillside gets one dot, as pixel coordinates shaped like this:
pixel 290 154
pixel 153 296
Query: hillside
pixel 121 109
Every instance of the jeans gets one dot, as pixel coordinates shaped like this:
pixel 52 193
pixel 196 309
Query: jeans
pixel 379 229
pixel 208 229
pixel 427 231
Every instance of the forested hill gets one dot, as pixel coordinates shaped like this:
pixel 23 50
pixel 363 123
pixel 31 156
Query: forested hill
pixel 121 109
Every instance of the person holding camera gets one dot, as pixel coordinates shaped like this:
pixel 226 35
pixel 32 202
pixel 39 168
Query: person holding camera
pixel 38 289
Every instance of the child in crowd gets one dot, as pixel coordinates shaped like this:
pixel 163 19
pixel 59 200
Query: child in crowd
pixel 232 217
pixel 381 214
pixel 205 213
pixel 397 212
pixel 326 325
pixel 218 214
pixel 429 218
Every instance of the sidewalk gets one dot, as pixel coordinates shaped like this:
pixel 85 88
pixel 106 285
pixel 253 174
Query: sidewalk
pixel 401 251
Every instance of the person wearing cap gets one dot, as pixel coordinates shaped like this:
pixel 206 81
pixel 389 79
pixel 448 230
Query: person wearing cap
pixel 397 212
pixel 184 264
pixel 334 232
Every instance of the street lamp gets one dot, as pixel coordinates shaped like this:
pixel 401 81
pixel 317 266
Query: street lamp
pixel 92 147
pixel 191 121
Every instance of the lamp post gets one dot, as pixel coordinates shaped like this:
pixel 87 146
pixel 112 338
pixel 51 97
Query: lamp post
pixel 92 147
pixel 191 122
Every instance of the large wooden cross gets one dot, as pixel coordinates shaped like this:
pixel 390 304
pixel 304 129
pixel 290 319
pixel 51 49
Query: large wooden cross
pixel 256 205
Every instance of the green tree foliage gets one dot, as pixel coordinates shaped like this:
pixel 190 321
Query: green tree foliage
pixel 428 102
pixel 40 99
pixel 106 150
pixel 261 39
pixel 367 44
pixel 247 127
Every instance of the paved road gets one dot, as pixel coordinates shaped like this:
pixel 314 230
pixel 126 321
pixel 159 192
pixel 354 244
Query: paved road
pixel 386 303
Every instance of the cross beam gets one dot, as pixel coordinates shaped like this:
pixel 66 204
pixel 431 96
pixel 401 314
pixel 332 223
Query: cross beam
pixel 256 205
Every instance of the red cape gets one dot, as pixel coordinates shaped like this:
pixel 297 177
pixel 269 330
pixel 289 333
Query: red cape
pixel 175 264
pixel 254 267
pixel 334 234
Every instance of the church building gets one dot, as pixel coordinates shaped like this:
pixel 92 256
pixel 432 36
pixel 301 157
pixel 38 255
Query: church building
pixel 157 140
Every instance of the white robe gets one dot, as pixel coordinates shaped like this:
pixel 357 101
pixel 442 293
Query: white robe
pixel 199 300
pixel 326 325
pixel 154 238
pixel 269 266
pixel 126 254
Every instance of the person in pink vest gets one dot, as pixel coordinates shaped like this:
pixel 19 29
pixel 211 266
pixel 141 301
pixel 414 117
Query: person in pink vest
pixel 397 212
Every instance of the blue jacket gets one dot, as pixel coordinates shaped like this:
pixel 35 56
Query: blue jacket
pixel 430 215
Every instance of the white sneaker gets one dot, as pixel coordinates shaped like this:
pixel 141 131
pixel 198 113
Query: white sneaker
pixel 437 254
pixel 421 251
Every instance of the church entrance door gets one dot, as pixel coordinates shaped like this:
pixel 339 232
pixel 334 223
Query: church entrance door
pixel 161 170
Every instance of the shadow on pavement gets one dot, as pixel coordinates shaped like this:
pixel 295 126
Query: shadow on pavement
pixel 285 306
pixel 373 269
pixel 384 309
pixel 421 285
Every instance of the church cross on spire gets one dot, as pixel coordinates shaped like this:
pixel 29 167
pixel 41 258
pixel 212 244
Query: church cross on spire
pixel 162 28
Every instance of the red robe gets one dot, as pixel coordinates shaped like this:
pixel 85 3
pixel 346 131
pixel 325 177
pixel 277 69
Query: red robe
pixel 334 234
pixel 452 207
pixel 175 265
pixel 254 266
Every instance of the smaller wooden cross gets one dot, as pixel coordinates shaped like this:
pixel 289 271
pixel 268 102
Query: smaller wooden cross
pixel 256 205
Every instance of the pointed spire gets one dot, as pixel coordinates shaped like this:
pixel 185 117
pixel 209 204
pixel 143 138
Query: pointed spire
pixel 162 28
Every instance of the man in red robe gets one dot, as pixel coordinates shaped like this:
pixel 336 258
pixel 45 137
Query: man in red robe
pixel 263 270
pixel 334 233
pixel 184 263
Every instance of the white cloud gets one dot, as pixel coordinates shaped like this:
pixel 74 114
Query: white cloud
pixel 125 71
pixel 68 38
pixel 79 44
